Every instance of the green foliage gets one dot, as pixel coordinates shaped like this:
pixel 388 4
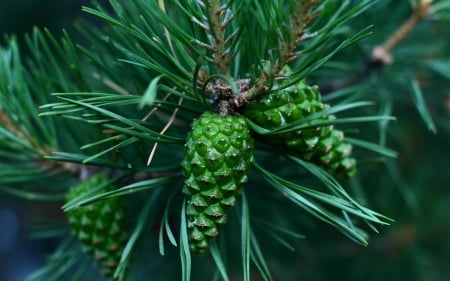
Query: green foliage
pixel 123 103
pixel 25 138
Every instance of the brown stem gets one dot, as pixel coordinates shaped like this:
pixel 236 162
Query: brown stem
pixel 300 17
pixel 218 22
pixel 383 52
pixel 40 150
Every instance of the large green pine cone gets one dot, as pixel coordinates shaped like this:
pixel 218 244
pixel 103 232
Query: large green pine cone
pixel 218 155
pixel 323 145
pixel 100 227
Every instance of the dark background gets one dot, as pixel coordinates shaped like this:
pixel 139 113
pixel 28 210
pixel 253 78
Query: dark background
pixel 19 16
pixel 20 255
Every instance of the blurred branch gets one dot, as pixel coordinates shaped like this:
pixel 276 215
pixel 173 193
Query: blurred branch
pixel 382 53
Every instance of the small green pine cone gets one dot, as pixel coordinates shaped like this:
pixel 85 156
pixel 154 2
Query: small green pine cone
pixel 322 145
pixel 100 227
pixel 218 155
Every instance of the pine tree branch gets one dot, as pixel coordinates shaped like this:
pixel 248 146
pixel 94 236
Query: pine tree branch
pixel 27 138
pixel 301 16
pixel 219 17
pixel 383 53
pixel 148 39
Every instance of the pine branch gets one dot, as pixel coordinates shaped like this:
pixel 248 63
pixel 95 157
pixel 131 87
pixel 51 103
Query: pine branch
pixel 313 55
pixel 301 15
pixel 128 100
pixel 217 17
pixel 26 172
pixel 382 53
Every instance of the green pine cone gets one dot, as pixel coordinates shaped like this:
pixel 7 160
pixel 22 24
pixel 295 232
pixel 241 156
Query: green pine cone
pixel 323 145
pixel 100 227
pixel 218 155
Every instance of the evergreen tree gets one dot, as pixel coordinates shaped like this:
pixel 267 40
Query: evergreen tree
pixel 207 140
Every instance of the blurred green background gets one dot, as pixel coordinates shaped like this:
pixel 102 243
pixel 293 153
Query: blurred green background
pixel 20 255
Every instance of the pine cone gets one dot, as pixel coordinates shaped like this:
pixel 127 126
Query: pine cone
pixel 322 145
pixel 100 227
pixel 218 155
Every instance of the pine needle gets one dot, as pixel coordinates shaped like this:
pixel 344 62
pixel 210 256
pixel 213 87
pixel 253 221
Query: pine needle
pixel 215 253
pixel 169 123
pixel 185 253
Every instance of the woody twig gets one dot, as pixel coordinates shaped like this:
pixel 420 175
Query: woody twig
pixel 383 52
